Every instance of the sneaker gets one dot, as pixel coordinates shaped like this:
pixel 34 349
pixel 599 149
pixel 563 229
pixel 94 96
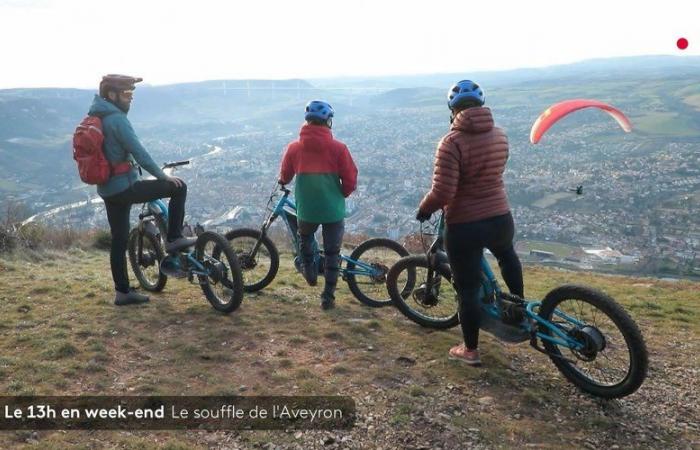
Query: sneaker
pixel 461 353
pixel 180 244
pixel 327 301
pixel 130 298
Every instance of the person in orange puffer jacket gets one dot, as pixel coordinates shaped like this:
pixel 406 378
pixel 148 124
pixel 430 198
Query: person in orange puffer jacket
pixel 468 184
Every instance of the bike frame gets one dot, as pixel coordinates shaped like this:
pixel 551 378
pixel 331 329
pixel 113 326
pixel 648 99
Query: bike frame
pixel 158 208
pixel 159 211
pixel 280 210
pixel 491 289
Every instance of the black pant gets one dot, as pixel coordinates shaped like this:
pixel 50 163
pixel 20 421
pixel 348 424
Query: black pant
pixel 332 241
pixel 465 243
pixel 118 211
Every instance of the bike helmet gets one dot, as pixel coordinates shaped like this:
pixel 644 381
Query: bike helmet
pixel 319 111
pixel 464 94
pixel 114 82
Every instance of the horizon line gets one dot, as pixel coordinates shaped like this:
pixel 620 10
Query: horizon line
pixel 378 76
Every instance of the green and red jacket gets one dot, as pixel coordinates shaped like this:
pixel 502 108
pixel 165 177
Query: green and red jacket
pixel 325 172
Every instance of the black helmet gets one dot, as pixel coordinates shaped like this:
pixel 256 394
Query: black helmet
pixel 115 82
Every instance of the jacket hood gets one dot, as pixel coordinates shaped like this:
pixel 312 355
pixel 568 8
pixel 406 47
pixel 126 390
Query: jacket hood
pixel 101 107
pixel 473 120
pixel 320 132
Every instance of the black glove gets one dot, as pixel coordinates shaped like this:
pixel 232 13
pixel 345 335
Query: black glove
pixel 422 216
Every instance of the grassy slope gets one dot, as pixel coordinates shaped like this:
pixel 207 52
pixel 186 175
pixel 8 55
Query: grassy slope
pixel 60 334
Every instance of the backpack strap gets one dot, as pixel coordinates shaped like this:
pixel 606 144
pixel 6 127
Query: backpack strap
pixel 118 168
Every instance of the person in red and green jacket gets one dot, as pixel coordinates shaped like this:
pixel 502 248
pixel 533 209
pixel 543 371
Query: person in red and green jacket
pixel 325 176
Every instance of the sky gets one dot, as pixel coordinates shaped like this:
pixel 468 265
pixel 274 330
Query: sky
pixel 72 43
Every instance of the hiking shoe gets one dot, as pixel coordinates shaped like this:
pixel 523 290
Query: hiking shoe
pixel 461 353
pixel 130 298
pixel 327 301
pixel 180 244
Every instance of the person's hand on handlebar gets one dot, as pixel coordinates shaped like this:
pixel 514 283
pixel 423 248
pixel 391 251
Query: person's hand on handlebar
pixel 283 187
pixel 178 182
pixel 422 216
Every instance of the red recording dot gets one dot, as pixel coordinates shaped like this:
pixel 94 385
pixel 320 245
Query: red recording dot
pixel 682 43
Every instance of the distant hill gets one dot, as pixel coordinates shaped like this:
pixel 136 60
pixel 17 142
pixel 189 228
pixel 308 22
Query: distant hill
pixel 633 67
pixel 410 98
pixel 661 94
pixel 36 125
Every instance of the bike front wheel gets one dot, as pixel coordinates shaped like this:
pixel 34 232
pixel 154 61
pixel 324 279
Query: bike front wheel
pixel 431 303
pixel 223 283
pixel 611 359
pixel 145 254
pixel 259 266
pixel 367 268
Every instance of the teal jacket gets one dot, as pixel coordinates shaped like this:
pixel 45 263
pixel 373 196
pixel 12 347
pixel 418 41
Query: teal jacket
pixel 121 144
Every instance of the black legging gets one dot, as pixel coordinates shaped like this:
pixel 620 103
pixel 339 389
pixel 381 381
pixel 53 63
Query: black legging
pixel 332 242
pixel 465 243
pixel 118 210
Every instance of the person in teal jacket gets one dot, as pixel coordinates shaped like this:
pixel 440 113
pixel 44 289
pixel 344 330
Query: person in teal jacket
pixel 121 191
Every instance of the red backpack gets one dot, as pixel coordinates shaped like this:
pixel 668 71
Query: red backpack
pixel 94 168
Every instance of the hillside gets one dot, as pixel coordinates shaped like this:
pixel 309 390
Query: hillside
pixel 36 125
pixel 60 334
pixel 640 187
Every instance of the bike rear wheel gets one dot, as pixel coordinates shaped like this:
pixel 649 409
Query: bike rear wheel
pixel 613 361
pixel 223 286
pixel 367 278
pixel 407 283
pixel 146 267
pixel 258 270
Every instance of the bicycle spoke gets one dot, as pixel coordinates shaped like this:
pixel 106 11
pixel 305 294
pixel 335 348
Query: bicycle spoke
pixel 438 303
pixel 254 268
pixel 611 364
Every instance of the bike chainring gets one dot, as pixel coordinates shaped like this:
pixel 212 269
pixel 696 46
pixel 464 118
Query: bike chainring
pixel 512 313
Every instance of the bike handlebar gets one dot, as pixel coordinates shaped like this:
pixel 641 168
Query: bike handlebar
pixel 175 164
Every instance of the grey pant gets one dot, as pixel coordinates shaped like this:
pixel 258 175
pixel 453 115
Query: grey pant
pixel 332 240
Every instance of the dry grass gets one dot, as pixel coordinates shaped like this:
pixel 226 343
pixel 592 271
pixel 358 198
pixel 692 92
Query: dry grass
pixel 60 334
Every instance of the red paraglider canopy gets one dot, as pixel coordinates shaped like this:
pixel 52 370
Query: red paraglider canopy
pixel 555 112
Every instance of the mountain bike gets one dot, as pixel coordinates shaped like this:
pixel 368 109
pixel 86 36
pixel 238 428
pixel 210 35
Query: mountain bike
pixel 212 261
pixel 588 336
pixel 364 270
